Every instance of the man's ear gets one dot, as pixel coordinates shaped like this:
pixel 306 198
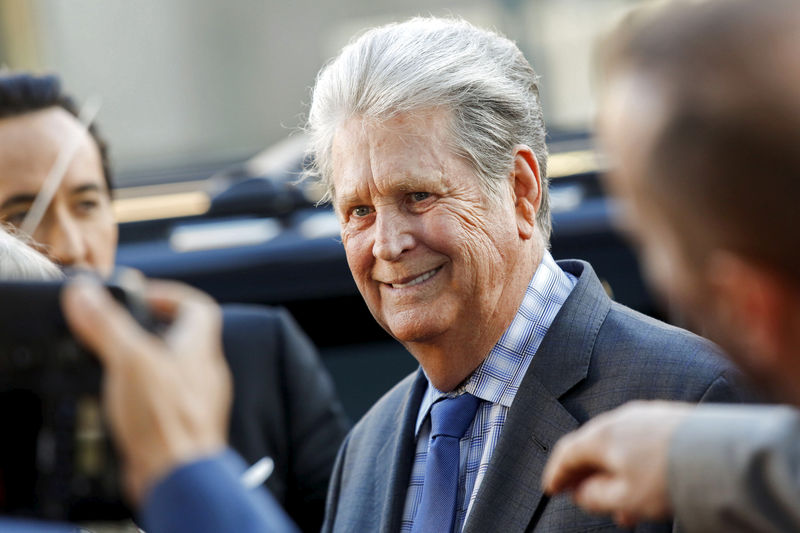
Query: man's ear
pixel 526 188
pixel 752 304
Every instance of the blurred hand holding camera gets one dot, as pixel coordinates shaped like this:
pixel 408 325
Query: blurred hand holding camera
pixel 167 398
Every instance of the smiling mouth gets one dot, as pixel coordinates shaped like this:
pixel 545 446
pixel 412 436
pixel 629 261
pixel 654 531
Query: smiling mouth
pixel 416 281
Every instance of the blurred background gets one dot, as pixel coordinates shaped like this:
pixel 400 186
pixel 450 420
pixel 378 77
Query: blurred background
pixel 202 100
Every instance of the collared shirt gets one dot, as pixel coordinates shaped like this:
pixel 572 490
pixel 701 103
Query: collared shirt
pixel 495 382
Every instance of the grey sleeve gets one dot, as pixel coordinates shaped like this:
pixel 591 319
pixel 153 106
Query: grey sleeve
pixel 737 468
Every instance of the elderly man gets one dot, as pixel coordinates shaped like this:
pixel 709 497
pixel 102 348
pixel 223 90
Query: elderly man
pixel 285 406
pixel 702 116
pixel 430 138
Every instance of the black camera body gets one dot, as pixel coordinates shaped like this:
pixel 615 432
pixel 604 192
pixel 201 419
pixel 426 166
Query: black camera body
pixel 56 457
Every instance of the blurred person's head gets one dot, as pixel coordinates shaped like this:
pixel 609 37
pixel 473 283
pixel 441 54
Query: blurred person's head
pixel 429 138
pixel 36 121
pixel 20 261
pixel 700 116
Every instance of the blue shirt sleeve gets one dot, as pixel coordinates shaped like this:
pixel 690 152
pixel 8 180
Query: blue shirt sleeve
pixel 208 496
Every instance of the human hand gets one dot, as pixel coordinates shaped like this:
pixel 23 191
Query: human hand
pixel 617 463
pixel 167 398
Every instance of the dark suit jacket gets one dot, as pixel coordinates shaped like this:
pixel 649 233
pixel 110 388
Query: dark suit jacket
pixel 596 355
pixel 284 407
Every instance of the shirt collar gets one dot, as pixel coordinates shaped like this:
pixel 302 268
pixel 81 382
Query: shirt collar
pixel 498 377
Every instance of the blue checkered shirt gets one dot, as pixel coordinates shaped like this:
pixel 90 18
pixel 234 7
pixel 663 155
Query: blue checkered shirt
pixel 495 382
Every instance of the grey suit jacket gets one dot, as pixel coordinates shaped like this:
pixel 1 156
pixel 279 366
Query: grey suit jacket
pixel 596 355
pixel 737 468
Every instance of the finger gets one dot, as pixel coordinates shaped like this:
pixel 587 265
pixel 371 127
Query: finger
pixel 575 457
pixel 602 494
pixel 166 297
pixel 101 323
pixel 625 519
pixel 196 318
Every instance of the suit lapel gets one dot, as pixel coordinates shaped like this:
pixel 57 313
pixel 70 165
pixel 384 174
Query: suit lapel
pixel 397 455
pixel 510 494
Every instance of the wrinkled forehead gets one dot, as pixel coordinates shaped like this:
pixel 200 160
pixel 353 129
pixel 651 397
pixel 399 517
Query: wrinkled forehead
pixel 30 144
pixel 411 150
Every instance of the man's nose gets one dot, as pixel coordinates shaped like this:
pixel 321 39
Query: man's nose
pixel 66 242
pixel 393 235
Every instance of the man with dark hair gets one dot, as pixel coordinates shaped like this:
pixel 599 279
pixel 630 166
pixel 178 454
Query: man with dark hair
pixel 701 118
pixel 22 93
pixel 36 121
pixel 285 406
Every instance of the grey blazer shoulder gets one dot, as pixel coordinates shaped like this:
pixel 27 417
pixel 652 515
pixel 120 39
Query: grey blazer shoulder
pixel 737 468
pixel 284 406
pixel 596 355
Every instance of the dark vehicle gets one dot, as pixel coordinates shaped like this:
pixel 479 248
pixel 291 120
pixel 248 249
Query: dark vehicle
pixel 253 234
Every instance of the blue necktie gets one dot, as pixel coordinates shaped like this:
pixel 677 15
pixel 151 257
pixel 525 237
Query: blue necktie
pixel 450 419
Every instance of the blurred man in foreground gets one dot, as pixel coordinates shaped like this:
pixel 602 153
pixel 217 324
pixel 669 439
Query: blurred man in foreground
pixel 430 138
pixel 701 118
pixel 285 405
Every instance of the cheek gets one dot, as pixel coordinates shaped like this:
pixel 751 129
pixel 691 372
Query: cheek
pixel 455 226
pixel 114 239
pixel 658 269
pixel 671 277
pixel 105 234
pixel 478 248
pixel 358 250
pixel 490 237
pixel 102 246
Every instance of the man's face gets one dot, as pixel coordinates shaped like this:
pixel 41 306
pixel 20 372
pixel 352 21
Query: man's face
pixel 78 228
pixel 632 114
pixel 629 120
pixel 432 256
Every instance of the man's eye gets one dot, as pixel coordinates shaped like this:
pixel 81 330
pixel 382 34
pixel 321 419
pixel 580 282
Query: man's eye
pixel 15 219
pixel 420 196
pixel 361 211
pixel 86 206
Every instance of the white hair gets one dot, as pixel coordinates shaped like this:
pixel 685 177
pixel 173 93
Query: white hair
pixel 18 261
pixel 481 78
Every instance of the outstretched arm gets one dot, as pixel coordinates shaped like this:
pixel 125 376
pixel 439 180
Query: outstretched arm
pixel 714 467
pixel 617 463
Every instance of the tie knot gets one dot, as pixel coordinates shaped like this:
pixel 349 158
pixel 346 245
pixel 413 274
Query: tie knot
pixel 451 416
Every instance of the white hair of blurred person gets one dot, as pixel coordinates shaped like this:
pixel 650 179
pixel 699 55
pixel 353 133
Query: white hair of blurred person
pixel 20 261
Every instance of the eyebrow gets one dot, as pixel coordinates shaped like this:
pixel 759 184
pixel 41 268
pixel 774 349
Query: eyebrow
pixel 27 198
pixel 408 184
pixel 18 199
pixel 89 187
pixel 346 199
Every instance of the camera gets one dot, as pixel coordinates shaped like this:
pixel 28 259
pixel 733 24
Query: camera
pixel 56 457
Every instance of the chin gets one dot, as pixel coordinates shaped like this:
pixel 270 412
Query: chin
pixel 413 335
pixel 416 330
